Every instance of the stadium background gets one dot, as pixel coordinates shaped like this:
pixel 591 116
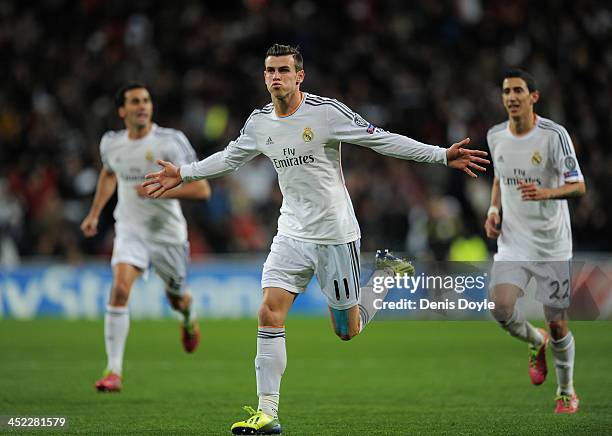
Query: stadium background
pixel 427 69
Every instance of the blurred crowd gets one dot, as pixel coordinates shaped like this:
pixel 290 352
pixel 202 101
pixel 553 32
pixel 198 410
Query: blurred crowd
pixel 429 69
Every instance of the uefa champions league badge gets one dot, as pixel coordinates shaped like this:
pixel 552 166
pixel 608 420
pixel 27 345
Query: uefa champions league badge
pixel 570 163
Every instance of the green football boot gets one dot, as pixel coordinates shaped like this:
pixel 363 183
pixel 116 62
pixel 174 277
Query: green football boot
pixel 258 423
pixel 385 259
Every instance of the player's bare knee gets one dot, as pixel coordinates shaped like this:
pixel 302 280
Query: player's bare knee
pixel 504 297
pixel 175 302
pixel 348 335
pixel 120 294
pixel 557 322
pixel 178 302
pixel 502 312
pixel 558 329
pixel 268 315
pixel 345 326
pixel 342 334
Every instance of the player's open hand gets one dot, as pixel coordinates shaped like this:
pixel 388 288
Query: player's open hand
pixel 157 183
pixel 466 159
pixel 492 226
pixel 531 192
pixel 89 226
pixel 141 191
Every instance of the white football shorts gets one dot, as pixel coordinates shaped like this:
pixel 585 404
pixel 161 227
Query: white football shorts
pixel 291 264
pixel 553 279
pixel 168 260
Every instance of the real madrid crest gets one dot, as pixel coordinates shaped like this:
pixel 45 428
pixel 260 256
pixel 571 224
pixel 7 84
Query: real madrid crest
pixel 149 156
pixel 308 134
pixel 536 158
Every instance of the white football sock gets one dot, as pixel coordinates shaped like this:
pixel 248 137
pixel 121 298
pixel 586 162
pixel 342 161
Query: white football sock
pixel 116 327
pixel 564 351
pixel 522 329
pixel 268 404
pixel 367 296
pixel 270 364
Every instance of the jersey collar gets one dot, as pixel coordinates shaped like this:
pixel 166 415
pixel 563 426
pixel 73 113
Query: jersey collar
pixel 294 110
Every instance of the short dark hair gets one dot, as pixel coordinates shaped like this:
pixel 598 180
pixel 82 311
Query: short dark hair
pixel 284 50
pixel 120 96
pixel 522 74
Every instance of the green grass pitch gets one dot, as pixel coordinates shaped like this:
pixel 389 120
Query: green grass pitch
pixel 399 377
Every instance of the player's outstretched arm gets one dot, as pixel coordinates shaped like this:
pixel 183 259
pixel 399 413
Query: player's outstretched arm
pixel 198 190
pixel 466 159
pixel 161 181
pixel 348 126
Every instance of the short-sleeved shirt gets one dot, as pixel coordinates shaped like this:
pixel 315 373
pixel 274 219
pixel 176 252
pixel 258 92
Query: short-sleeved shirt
pixel 159 220
pixel 534 230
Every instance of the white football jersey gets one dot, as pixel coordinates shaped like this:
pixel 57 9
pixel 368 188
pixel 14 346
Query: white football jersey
pixel 305 150
pixel 159 220
pixel 534 230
